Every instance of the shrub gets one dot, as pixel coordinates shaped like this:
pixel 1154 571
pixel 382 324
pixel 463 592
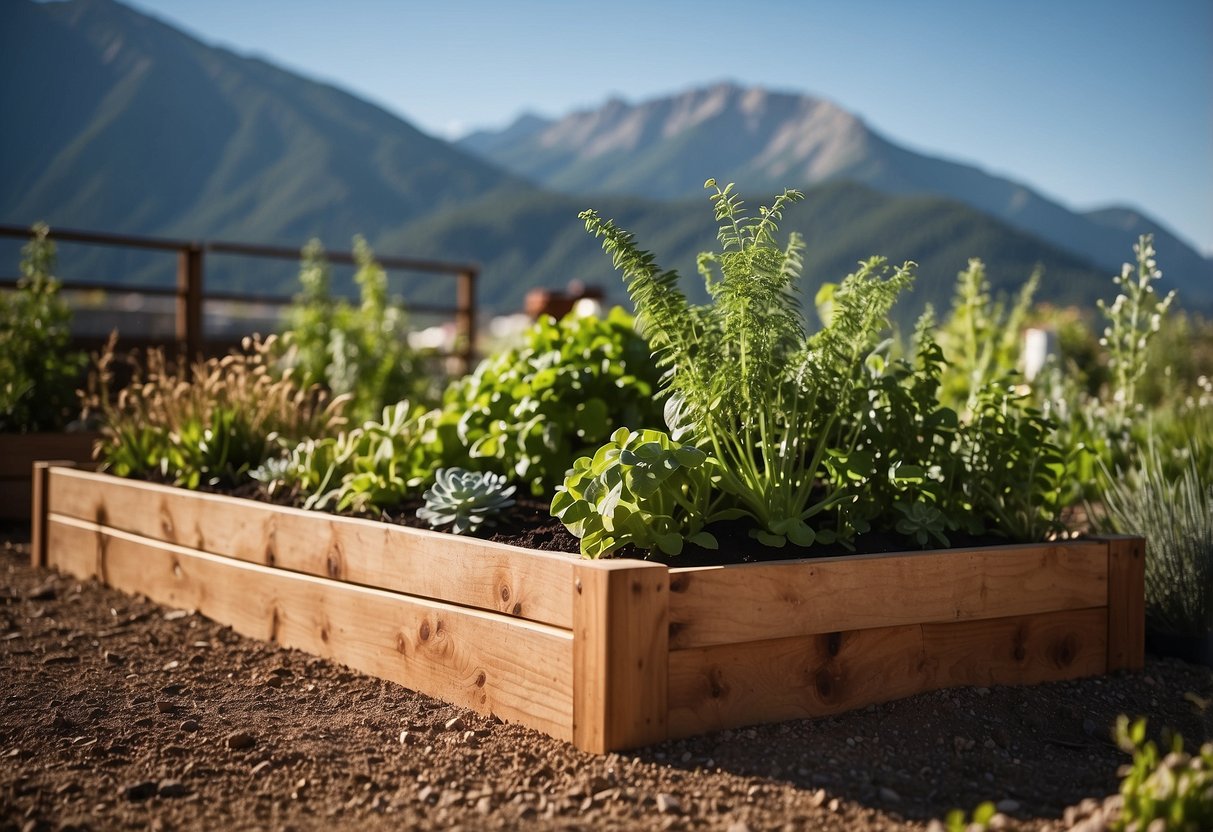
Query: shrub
pixel 208 427
pixel 38 372
pixel 1175 515
pixel 531 410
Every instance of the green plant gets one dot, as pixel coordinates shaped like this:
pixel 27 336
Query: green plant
pixel 211 427
pixel 374 466
pixel 38 371
pixel 1175 515
pixel 981 337
pixel 465 500
pixel 642 489
pixel 533 409
pixel 774 408
pixel 958 821
pixel 360 351
pixel 1175 789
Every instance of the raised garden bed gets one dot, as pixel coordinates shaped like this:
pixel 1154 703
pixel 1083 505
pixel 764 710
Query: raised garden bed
pixel 19 451
pixel 607 654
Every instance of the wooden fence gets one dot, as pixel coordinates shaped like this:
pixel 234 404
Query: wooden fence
pixel 191 293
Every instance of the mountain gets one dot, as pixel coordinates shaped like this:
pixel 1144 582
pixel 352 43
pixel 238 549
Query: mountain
pixel 116 121
pixel 535 239
pixel 665 147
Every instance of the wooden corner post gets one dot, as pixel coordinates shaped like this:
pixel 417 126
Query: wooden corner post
pixel 621 637
pixel 1126 602
pixel 41 508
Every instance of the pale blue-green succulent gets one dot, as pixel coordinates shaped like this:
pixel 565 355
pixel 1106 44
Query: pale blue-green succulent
pixel 465 500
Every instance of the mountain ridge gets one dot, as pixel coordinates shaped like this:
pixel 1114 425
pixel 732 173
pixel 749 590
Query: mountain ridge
pixel 657 148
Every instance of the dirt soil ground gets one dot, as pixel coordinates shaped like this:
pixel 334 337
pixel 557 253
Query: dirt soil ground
pixel 117 713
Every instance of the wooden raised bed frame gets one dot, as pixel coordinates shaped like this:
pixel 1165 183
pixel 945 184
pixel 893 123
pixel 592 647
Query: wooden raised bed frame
pixel 606 654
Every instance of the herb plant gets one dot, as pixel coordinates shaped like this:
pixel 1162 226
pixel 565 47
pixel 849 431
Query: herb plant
pixel 742 379
pixel 38 371
pixel 465 500
pixel 533 409
pixel 361 351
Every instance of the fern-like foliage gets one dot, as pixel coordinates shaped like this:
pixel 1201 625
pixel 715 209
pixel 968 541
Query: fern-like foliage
pixel 744 380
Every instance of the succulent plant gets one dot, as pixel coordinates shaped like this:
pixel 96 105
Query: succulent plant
pixel 466 499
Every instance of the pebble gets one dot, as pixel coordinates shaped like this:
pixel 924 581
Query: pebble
pixel 455 724
pixel 1007 806
pixel 818 798
pixel 888 795
pixel 240 740
pixel 175 615
pixel 172 788
pixel 114 658
pixel 667 804
pixel 189 726
pixel 173 665
pixel 164 706
pixel 141 790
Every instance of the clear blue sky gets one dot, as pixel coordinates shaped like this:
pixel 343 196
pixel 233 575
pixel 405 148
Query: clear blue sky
pixel 1093 102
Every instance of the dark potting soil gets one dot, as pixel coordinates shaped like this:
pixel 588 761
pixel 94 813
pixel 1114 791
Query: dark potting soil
pixel 529 524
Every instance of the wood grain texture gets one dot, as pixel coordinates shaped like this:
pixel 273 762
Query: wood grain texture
pixel 516 669
pixel 755 602
pixel 1126 603
pixel 476 573
pixel 620 654
pixel 727 686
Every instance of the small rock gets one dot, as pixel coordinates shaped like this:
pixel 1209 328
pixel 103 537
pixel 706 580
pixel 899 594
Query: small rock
pixel 189 726
pixel 114 658
pixel 455 724
pixel 667 804
pixel 409 738
pixel 172 788
pixel 173 665
pixel 428 794
pixel 888 795
pixel 818 798
pixel 484 805
pixel 273 682
pixel 140 791
pixel 46 592
pixel 1007 806
pixel 175 615
pixel 240 740
pixel 833 805
pixel 164 706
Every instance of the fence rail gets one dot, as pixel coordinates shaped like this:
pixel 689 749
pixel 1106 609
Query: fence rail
pixel 191 294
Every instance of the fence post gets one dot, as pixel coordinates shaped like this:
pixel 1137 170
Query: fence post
pixel 465 319
pixel 189 302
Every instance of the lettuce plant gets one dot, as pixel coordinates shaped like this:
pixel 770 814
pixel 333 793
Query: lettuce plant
pixel 745 383
pixel 641 488
pixel 532 409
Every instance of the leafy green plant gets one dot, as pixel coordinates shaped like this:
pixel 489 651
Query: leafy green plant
pixel 361 351
pixel 465 500
pixel 210 427
pixel 1014 477
pixel 642 488
pixel 532 409
pixel 38 371
pixel 374 466
pixel 743 381
pixel 1175 789
pixel 1175 515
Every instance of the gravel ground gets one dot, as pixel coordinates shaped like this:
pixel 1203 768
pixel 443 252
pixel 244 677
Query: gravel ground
pixel 117 713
